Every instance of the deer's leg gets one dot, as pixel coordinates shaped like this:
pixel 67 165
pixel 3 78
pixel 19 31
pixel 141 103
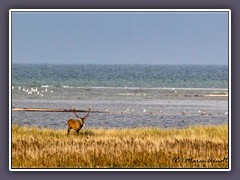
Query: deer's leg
pixel 77 131
pixel 68 130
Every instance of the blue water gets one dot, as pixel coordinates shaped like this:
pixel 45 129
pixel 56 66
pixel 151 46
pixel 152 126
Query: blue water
pixel 134 95
pixel 178 76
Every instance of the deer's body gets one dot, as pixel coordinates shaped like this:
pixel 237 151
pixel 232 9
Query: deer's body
pixel 74 124
pixel 77 124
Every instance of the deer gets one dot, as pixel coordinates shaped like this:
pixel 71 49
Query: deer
pixel 77 124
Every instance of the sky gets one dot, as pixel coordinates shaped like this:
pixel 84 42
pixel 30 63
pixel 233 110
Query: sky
pixel 120 37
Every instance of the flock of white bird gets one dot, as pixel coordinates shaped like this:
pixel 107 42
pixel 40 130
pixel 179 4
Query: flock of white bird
pixel 43 90
pixel 38 91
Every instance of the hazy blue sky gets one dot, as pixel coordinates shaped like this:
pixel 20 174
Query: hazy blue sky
pixel 120 37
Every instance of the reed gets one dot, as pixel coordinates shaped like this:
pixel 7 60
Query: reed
pixel 193 147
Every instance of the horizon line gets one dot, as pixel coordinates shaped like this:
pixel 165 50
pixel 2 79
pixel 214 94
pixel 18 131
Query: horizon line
pixel 44 63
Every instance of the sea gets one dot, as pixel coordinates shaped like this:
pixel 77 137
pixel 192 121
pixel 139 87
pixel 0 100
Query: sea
pixel 125 96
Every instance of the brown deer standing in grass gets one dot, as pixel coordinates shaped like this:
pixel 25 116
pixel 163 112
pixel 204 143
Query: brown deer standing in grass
pixel 77 124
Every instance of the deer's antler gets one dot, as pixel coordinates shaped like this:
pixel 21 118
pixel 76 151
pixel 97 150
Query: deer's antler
pixel 89 110
pixel 74 111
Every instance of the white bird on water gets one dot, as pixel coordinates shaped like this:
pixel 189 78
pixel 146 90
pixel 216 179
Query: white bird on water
pixel 34 89
pixel 202 112
pixel 124 111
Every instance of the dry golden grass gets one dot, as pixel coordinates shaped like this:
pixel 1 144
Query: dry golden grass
pixel 193 147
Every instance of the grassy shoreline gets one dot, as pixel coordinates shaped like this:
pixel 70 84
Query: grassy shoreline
pixel 192 147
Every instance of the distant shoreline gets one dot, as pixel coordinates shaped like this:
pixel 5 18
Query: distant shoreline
pixel 216 95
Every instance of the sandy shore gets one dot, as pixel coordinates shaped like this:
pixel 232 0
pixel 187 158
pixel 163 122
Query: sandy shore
pixel 217 95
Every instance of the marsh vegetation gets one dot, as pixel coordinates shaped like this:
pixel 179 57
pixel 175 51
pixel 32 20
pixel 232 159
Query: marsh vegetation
pixel 192 147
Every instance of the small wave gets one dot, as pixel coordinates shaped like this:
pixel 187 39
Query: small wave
pixel 45 86
pixel 136 88
pixel 126 94
pixel 65 87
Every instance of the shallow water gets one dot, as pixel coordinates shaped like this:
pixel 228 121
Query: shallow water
pixel 158 109
pixel 169 96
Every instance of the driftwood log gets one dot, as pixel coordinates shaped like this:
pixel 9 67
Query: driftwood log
pixel 52 110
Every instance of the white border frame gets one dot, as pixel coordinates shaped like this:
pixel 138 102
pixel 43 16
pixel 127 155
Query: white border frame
pixel 118 10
